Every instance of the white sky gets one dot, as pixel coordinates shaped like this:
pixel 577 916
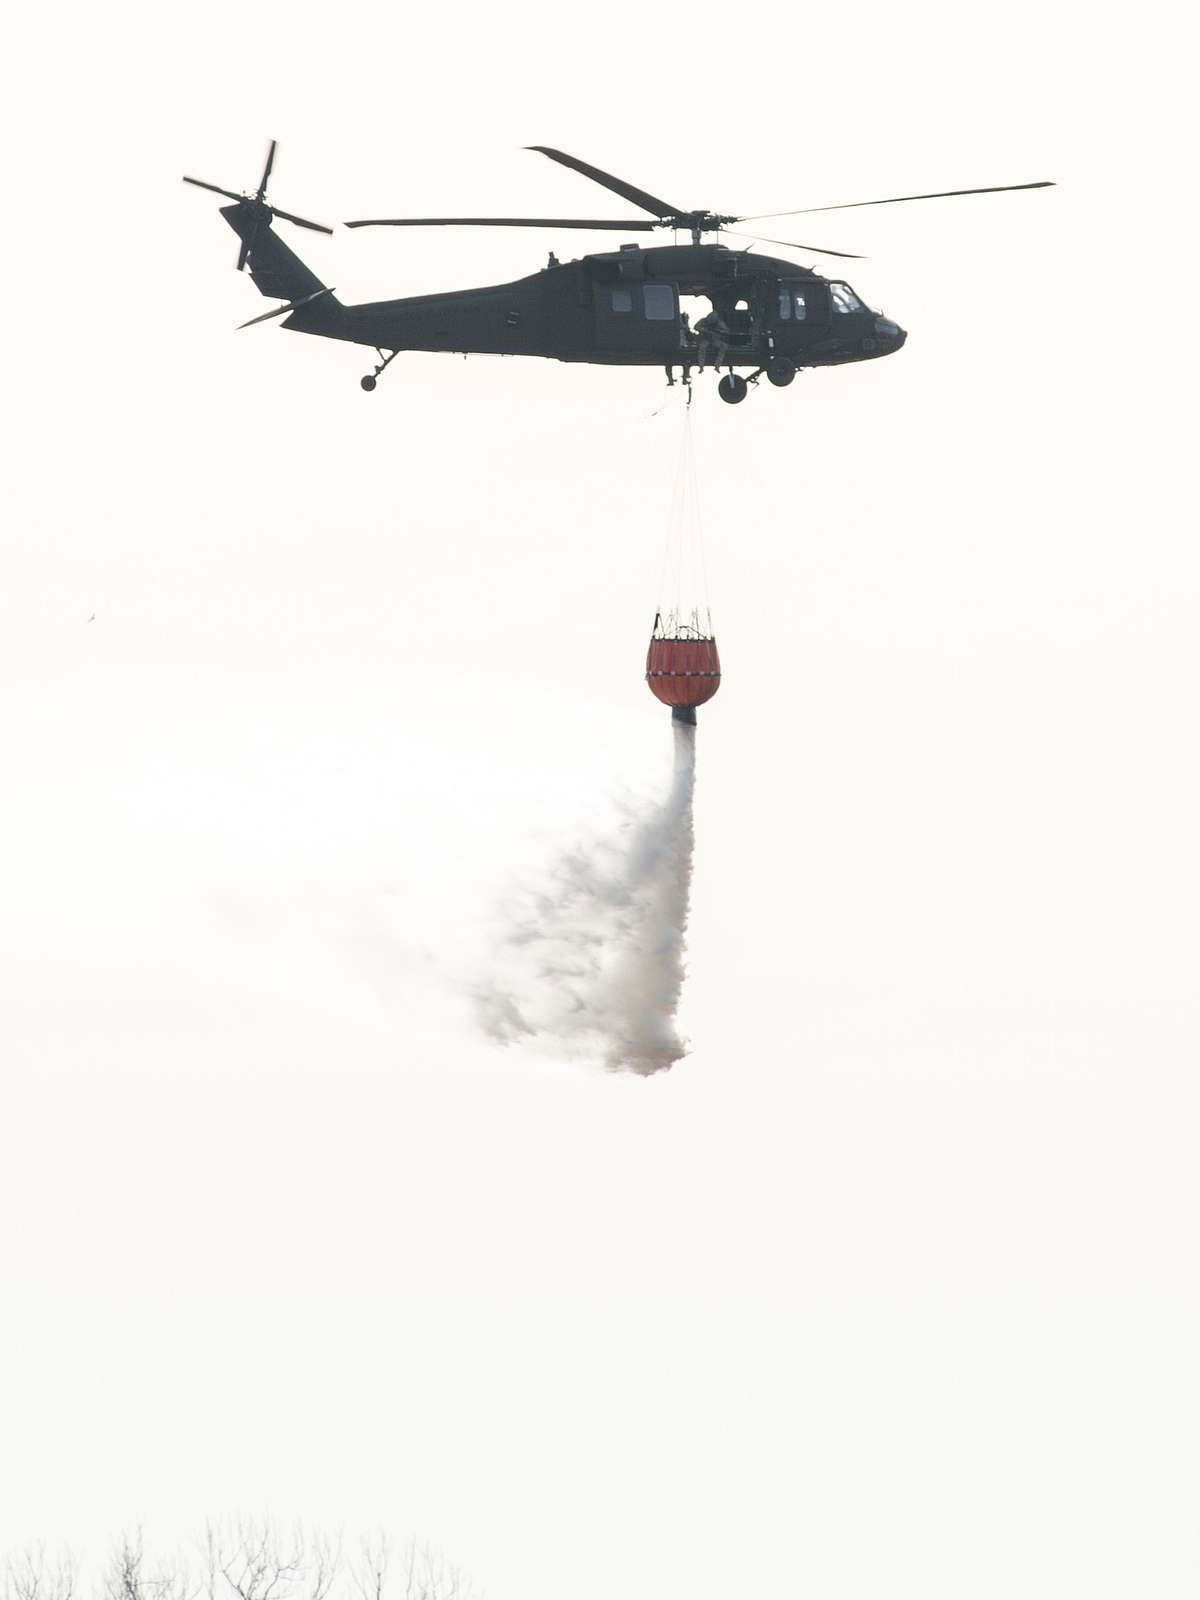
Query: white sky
pixel 890 1287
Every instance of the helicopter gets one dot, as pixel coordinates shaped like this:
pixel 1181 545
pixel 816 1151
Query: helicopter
pixel 624 307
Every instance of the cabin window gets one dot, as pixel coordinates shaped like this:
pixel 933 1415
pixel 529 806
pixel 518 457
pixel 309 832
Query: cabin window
pixel 659 300
pixel 791 305
pixel 622 300
pixel 844 297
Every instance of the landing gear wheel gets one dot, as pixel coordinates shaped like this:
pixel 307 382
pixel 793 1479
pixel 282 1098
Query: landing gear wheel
pixel 780 372
pixel 372 378
pixel 732 389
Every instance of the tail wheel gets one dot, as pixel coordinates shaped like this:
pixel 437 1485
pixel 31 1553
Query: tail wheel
pixel 732 389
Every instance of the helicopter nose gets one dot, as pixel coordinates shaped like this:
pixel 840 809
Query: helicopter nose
pixel 890 333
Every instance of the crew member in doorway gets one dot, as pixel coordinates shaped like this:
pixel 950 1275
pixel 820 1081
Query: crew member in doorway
pixel 712 333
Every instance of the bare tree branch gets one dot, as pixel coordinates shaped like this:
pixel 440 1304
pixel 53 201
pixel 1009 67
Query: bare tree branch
pixel 369 1570
pixel 324 1562
pixel 32 1575
pixel 253 1560
pixel 128 1575
pixel 246 1559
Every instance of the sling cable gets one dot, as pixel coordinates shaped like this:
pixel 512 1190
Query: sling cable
pixel 683 669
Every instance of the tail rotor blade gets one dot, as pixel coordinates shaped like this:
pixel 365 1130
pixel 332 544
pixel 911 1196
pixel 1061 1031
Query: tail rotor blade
pixel 262 188
pixel 247 246
pixel 301 222
pixel 215 188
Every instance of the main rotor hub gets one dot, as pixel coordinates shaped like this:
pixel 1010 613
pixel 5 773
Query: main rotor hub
pixel 698 222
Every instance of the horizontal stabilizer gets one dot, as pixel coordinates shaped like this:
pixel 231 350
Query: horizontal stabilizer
pixel 282 311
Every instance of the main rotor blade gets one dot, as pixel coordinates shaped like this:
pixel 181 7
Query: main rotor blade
pixel 815 249
pixel 216 189
pixel 637 225
pixel 279 311
pixel 262 188
pixel 648 202
pixel 301 222
pixel 898 199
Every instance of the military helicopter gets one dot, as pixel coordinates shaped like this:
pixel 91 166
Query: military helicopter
pixel 620 307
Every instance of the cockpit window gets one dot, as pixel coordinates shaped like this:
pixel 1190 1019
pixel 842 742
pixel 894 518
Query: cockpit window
pixel 791 305
pixel 622 299
pixel 844 297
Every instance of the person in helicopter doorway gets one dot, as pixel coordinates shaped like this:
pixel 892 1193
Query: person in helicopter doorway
pixel 727 326
pixel 712 337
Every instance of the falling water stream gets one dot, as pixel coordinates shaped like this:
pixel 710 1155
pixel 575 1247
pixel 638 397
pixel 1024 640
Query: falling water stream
pixel 593 959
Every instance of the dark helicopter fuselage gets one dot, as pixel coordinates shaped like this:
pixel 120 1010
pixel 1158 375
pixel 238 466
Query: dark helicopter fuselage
pixel 627 307
pixel 689 305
